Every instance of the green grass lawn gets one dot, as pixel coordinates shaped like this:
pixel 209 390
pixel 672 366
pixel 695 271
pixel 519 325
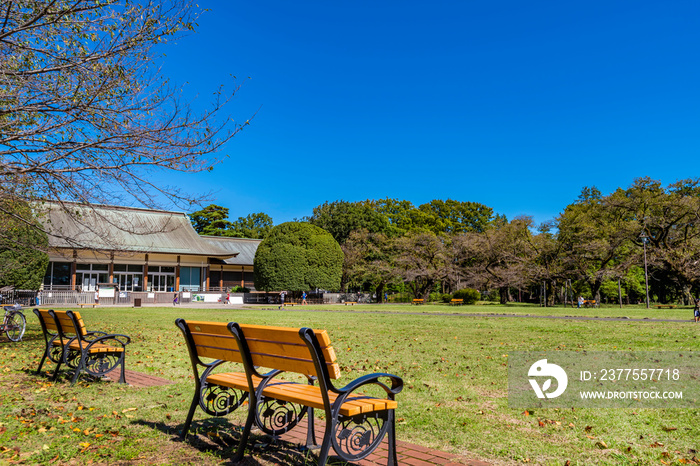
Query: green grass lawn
pixel 455 396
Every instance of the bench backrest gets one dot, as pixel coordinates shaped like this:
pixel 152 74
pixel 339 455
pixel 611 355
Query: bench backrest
pixel 67 325
pixel 212 340
pixel 273 347
pixel 283 348
pixel 48 324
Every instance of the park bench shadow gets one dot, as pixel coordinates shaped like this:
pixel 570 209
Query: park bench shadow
pixel 265 450
pixel 27 337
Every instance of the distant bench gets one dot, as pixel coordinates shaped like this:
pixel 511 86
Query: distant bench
pixel 418 301
pixel 457 302
pixel 665 306
pixel 88 304
pixel 589 303
pixel 351 303
pixel 67 341
pixel 355 424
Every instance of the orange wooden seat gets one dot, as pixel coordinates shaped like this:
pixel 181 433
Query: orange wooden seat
pixel 276 405
pixel 67 340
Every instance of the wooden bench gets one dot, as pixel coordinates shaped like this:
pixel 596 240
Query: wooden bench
pixel 67 341
pixel 457 302
pixel 665 306
pixel 88 304
pixel 418 301
pixel 589 303
pixel 351 303
pixel 355 424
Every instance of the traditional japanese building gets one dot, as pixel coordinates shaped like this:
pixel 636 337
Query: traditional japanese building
pixel 140 250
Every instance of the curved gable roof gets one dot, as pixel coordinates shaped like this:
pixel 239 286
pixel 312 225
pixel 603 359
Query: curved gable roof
pixel 112 228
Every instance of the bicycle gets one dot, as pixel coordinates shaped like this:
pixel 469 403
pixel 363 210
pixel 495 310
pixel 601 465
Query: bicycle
pixel 14 324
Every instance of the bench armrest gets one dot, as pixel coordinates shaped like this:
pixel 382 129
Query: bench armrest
pixel 375 379
pixel 123 340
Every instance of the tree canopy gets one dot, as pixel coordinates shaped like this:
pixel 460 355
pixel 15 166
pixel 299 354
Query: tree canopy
pixel 23 259
pixel 213 220
pixel 298 256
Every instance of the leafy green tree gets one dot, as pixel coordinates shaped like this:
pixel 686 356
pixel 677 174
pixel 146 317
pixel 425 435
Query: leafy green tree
pixel 211 220
pixel 668 218
pixel 340 218
pixel 594 239
pixel 452 216
pixel 255 226
pixel 298 256
pixel 399 213
pixel 23 245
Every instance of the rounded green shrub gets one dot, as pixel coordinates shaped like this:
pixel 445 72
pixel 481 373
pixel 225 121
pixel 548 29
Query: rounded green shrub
pixel 298 256
pixel 469 295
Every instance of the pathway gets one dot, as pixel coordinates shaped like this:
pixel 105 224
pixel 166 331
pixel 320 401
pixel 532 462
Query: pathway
pixel 407 453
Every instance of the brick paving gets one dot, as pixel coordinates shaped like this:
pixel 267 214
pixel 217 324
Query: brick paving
pixel 139 379
pixel 407 453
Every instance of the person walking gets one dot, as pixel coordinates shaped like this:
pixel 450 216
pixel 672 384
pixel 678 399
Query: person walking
pixel 696 310
pixel 303 297
pixel 282 294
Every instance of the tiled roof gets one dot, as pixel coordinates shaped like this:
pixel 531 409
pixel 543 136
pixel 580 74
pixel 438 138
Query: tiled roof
pixel 245 247
pixel 112 228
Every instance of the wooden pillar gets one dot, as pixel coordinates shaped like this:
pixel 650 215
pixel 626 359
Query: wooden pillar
pixel 242 276
pixel 73 267
pixel 207 273
pixel 221 278
pixel 177 275
pixel 111 267
pixel 145 274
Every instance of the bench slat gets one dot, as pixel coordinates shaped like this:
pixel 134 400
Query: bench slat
pixel 281 334
pixel 299 366
pixel 48 320
pixel 297 351
pixel 235 380
pixel 311 395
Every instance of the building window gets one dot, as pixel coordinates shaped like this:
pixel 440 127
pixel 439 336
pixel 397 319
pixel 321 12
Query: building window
pixel 57 276
pixel 161 278
pixel 190 278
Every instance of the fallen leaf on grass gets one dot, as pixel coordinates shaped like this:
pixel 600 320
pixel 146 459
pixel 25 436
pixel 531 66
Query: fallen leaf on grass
pixel 602 445
pixel 669 429
pixel 128 409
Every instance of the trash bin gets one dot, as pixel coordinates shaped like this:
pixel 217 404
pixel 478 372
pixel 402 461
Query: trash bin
pixel 137 302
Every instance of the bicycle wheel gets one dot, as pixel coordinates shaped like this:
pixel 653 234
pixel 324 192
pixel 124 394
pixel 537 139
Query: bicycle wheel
pixel 15 326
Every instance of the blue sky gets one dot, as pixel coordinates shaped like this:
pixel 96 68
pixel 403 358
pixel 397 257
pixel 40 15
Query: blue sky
pixel 515 105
